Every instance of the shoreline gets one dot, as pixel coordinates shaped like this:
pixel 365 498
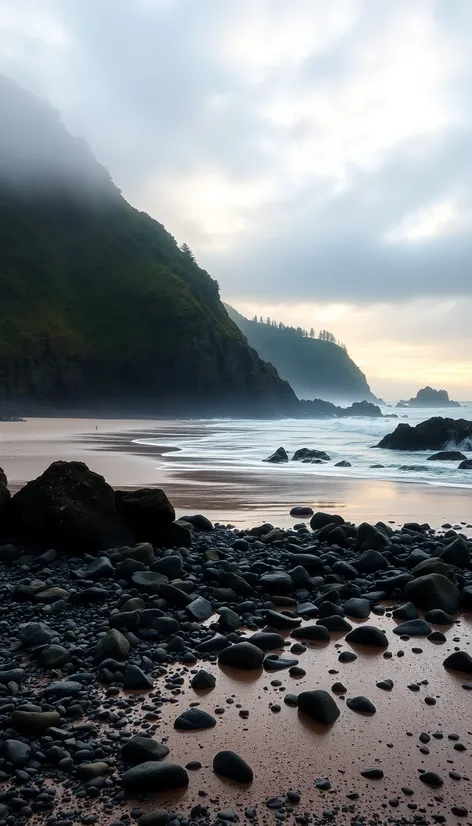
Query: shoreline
pixel 234 497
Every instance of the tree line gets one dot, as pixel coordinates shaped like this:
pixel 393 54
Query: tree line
pixel 323 335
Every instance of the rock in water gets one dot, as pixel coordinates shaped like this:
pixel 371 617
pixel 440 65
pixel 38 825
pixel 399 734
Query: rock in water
pixel 70 508
pixel 278 457
pixel 433 434
pixel 147 511
pixel 367 635
pixel 193 719
pixel 319 705
pixel 154 777
pixel 433 591
pixel 459 661
pixel 243 655
pixel 231 765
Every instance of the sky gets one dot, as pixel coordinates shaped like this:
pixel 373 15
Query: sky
pixel 316 156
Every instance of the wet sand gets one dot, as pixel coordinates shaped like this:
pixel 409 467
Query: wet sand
pixel 288 751
pixel 239 498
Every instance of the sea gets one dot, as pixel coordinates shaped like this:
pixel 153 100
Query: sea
pixel 222 446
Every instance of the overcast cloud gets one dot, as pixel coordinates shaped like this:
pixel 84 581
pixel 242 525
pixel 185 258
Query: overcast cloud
pixel 316 156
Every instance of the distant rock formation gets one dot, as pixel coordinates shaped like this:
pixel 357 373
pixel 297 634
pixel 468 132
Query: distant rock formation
pixel 428 397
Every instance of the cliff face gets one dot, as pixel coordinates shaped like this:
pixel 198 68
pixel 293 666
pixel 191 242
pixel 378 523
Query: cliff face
pixel 97 302
pixel 314 368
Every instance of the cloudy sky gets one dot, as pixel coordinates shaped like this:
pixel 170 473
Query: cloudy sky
pixel 316 156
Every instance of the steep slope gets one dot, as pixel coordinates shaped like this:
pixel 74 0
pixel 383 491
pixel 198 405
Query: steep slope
pixel 314 368
pixel 98 305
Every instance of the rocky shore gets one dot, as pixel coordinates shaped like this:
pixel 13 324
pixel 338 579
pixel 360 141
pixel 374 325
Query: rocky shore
pixel 160 671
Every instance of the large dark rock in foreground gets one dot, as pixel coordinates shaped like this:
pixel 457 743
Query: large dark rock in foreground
pixel 437 433
pixel 147 511
pixel 319 705
pixel 433 591
pixel 70 508
pixel 231 765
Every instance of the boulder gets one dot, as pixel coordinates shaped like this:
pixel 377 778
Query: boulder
pixel 434 434
pixel 459 661
pixel 447 456
pixel 194 719
pixel 267 640
pixel 357 607
pixel 306 453
pixel 140 749
pixel 319 520
pixel 147 511
pixel 277 458
pixel 370 562
pixel 319 705
pixel 277 582
pixel 243 655
pixel 32 723
pixel 413 628
pixel 203 680
pixel 343 463
pixel 70 508
pixel 231 765
pixel 16 752
pixel 367 635
pixel 301 512
pixel 466 465
pixel 113 644
pixel 457 553
pixel 314 633
pixel 371 538
pixel 154 777
pixel 433 591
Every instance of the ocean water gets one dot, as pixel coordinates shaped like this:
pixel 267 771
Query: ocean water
pixel 225 445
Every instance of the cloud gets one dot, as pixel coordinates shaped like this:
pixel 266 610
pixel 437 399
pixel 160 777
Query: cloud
pixel 308 151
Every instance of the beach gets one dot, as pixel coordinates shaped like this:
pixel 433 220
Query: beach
pixel 134 453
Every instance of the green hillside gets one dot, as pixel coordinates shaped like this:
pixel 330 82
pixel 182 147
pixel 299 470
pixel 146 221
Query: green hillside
pixel 98 305
pixel 314 368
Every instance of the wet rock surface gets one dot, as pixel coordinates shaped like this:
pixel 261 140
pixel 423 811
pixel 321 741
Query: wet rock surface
pixel 231 668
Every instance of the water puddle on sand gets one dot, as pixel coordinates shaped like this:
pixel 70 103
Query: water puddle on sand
pixel 288 751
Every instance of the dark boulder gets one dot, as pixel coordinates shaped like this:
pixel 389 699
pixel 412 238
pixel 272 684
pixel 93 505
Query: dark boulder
pixel 438 617
pixel 231 765
pixel 203 680
pixel 199 522
pixel 154 777
pixel 277 458
pixel 301 511
pixel 194 719
pixel 306 453
pixel 447 456
pixel 367 635
pixel 357 607
pixel 361 704
pixel 434 434
pixel 319 520
pixel 266 640
pixel 335 623
pixel 414 628
pixel 457 553
pixel 433 591
pixel 343 463
pixel 459 661
pixel 314 633
pixel 371 538
pixel 277 582
pixel 243 655
pixel 147 511
pixel 281 621
pixel 466 465
pixel 70 508
pixel 319 705
pixel 141 749
pixel 370 562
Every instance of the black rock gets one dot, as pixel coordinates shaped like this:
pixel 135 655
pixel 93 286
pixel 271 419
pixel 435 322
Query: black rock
pixel 35 634
pixel 69 508
pixel 154 777
pixel 305 453
pixel 16 752
pixel 159 817
pixel 347 657
pixel 319 705
pixel 114 644
pixel 373 774
pixel 447 456
pixel 202 680
pixel 459 661
pixel 431 779
pixel 267 640
pixel 357 607
pixel 274 663
pixel 319 520
pixel 371 561
pixel 434 434
pixel 147 511
pixel 136 680
pixel 53 656
pixel 278 457
pixel 433 591
pixel 149 582
pixel 231 765
pixel 243 655
pixel 457 553
pixel 385 685
pixel 438 617
pixel 361 704
pixel 301 511
pixel 335 623
pixel 199 522
pixel 281 621
pixel 200 609
pixel 193 719
pixel 405 612
pixel 367 635
pixel 277 582
pixel 32 723
pixel 142 749
pixel 414 628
